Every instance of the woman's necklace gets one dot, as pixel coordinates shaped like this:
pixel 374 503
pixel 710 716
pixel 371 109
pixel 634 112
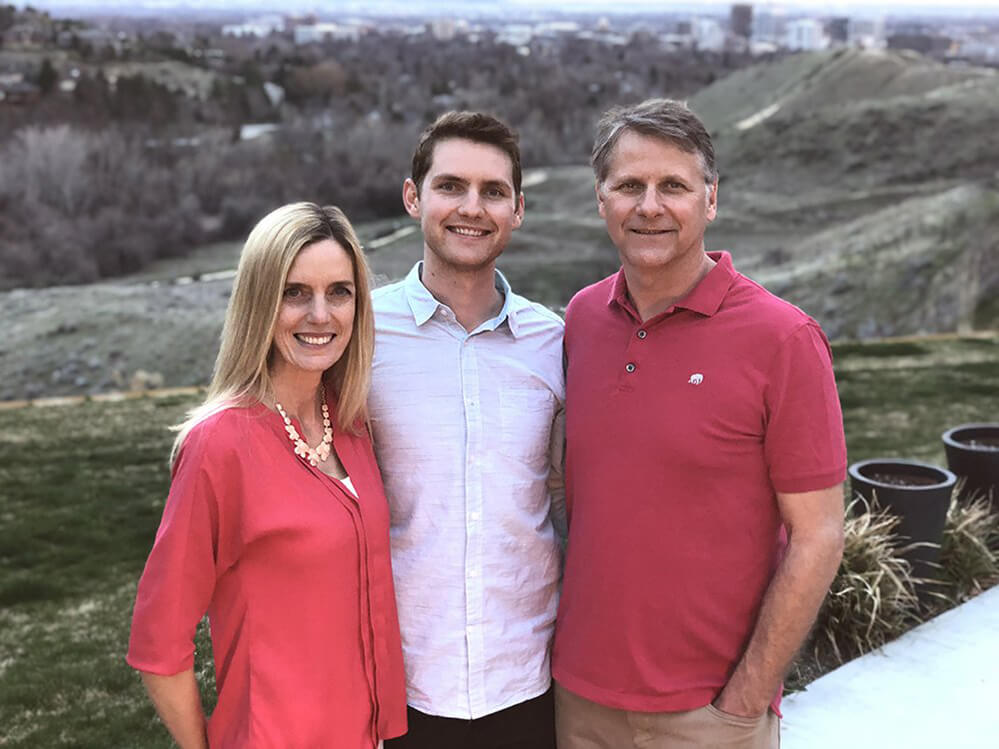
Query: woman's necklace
pixel 319 453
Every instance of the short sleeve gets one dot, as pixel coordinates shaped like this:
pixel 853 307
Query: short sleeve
pixel 179 578
pixel 804 444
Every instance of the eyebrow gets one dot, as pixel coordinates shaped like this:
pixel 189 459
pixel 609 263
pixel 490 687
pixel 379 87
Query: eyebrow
pixel 302 285
pixel 449 178
pixel 462 180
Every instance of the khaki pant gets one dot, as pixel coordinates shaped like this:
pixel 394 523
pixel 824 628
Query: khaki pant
pixel 581 724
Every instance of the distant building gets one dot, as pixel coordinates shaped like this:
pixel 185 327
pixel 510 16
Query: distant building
pixel 978 50
pixel 515 34
pixel 768 27
pixel 24 35
pixel 322 32
pixel 867 33
pixel 927 44
pixel 838 29
pixel 557 28
pixel 19 92
pixel 708 34
pixel 257 27
pixel 805 34
pixel 442 29
pixel 740 20
pixel 274 93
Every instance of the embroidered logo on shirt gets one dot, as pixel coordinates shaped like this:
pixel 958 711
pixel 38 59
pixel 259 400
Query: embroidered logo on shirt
pixel 696 379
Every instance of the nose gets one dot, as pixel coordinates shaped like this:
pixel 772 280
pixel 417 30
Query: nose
pixel 650 204
pixel 319 309
pixel 471 205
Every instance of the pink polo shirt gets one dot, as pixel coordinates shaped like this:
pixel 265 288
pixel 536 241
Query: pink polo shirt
pixel 294 573
pixel 679 431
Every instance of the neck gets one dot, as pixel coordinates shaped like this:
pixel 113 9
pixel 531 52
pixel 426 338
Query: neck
pixel 297 392
pixel 471 294
pixel 656 290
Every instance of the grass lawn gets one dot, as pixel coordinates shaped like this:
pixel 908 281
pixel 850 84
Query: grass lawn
pixel 82 489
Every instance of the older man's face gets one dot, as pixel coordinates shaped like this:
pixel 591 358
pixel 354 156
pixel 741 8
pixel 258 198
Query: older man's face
pixel 655 202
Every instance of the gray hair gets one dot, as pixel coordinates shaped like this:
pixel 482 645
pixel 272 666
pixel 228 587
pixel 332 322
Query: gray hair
pixel 666 119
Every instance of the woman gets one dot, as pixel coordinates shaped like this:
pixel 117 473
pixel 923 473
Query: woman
pixel 276 523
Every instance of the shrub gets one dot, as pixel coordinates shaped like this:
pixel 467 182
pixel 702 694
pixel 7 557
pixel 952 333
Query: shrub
pixel 873 598
pixel 969 554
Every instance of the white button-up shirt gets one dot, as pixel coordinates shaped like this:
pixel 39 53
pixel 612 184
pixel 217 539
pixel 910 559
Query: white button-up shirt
pixel 463 431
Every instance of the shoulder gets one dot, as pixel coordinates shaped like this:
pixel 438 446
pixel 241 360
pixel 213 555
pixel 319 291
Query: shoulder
pixel 592 297
pixel 385 297
pixel 535 312
pixel 221 434
pixel 761 309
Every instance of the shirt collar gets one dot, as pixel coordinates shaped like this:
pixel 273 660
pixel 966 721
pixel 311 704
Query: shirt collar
pixel 705 298
pixel 423 304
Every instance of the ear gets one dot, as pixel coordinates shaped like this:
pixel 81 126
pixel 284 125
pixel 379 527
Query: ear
pixel 600 199
pixel 518 211
pixel 411 198
pixel 712 208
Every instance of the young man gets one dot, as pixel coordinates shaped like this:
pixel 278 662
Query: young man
pixel 467 384
pixel 705 456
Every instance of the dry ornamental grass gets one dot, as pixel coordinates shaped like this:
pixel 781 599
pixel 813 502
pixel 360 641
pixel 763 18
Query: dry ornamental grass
pixel 969 554
pixel 873 598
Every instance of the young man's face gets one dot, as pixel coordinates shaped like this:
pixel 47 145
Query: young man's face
pixel 655 202
pixel 467 206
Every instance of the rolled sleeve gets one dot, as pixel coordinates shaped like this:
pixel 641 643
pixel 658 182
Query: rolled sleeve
pixel 179 578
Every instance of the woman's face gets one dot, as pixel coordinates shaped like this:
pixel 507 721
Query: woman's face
pixel 316 317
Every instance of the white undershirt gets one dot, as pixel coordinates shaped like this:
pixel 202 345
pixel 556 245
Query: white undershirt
pixel 350 486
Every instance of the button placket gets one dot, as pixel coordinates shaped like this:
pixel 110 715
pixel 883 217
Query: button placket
pixel 474 594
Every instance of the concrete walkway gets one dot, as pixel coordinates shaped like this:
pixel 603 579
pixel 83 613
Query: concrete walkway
pixel 936 687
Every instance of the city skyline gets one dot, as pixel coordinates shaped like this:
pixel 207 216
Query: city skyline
pixel 964 8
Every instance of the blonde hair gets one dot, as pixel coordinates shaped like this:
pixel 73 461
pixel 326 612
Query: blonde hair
pixel 241 376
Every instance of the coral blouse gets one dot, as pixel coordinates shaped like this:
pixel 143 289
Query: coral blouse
pixel 294 573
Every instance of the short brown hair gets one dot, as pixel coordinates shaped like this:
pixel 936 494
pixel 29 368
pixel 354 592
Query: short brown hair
pixel 474 126
pixel 666 119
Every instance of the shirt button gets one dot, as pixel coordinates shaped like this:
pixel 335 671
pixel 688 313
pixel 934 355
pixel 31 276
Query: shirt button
pixel 475 516
pixel 629 367
pixel 642 333
pixel 473 572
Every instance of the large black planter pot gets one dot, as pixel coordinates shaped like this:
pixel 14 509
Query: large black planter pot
pixel 919 494
pixel 973 452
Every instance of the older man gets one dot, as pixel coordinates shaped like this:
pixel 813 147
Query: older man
pixel 704 466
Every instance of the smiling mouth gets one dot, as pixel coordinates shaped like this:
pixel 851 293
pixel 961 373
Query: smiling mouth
pixel 652 232
pixel 314 340
pixel 468 231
